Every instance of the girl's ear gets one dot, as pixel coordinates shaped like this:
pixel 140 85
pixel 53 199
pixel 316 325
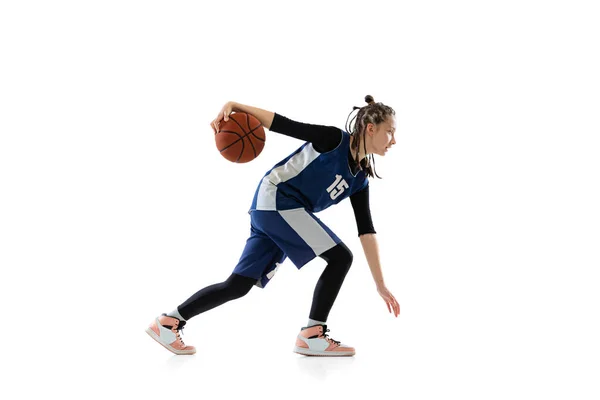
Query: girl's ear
pixel 370 129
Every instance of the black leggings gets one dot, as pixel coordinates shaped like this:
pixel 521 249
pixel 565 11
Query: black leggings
pixel 339 260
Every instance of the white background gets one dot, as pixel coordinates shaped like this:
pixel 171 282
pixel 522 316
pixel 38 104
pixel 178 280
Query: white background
pixel 116 206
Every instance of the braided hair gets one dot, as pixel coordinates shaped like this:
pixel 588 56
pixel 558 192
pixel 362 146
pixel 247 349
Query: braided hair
pixel 374 113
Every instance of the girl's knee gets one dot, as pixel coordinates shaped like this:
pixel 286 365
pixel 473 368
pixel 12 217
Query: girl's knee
pixel 339 254
pixel 348 257
pixel 239 286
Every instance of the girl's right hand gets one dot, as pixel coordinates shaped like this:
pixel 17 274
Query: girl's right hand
pixel 390 300
pixel 223 115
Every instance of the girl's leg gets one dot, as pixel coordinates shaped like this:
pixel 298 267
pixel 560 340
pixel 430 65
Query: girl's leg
pixel 166 328
pixel 234 287
pixel 339 260
pixel 255 267
pixel 313 339
pixel 301 235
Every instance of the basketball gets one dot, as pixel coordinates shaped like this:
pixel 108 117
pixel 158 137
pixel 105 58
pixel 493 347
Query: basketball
pixel 241 139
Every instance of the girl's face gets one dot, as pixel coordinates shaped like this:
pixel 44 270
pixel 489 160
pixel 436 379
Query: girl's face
pixel 382 135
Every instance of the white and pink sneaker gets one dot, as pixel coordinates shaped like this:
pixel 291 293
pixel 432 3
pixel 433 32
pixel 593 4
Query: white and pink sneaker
pixel 314 341
pixel 166 331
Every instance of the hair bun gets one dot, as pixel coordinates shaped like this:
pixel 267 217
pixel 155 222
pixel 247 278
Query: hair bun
pixel 369 99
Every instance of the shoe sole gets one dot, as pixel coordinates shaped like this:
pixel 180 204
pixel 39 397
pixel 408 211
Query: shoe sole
pixel 154 336
pixel 315 353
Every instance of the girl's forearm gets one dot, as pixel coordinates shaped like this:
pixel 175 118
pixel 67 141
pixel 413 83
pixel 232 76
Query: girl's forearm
pixel 265 117
pixel 371 249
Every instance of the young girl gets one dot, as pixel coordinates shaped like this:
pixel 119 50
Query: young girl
pixel 332 165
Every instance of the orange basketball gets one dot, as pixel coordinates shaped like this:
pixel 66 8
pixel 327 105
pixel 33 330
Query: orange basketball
pixel 241 139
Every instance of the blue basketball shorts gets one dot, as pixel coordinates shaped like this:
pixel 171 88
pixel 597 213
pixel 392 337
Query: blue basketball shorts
pixel 276 235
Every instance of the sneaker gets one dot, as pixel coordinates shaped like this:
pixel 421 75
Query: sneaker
pixel 166 331
pixel 313 341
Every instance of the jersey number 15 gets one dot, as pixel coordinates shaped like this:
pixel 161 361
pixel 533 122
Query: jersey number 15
pixel 337 187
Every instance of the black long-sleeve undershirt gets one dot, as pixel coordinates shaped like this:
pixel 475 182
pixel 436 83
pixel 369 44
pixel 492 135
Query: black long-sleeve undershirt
pixel 324 139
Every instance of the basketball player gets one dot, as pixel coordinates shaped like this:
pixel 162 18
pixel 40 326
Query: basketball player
pixel 331 166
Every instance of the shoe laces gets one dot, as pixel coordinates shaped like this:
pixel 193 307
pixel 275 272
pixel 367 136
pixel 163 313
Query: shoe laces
pixel 330 340
pixel 178 333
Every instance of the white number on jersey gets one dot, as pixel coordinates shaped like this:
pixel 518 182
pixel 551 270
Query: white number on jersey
pixel 337 187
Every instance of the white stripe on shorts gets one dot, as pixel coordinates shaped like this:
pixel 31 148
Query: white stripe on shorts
pixel 309 230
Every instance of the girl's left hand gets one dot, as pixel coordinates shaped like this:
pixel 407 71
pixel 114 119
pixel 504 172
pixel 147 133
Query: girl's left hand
pixel 223 115
pixel 390 300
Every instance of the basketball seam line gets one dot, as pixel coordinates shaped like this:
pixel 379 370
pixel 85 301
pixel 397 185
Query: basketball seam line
pixel 251 130
pixel 252 133
pixel 241 152
pixel 242 137
pixel 231 144
pixel 235 133
pixel 251 144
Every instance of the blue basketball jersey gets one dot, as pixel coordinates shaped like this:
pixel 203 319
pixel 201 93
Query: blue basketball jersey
pixel 309 179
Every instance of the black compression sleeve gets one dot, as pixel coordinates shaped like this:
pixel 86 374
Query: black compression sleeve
pixel 362 211
pixel 323 138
